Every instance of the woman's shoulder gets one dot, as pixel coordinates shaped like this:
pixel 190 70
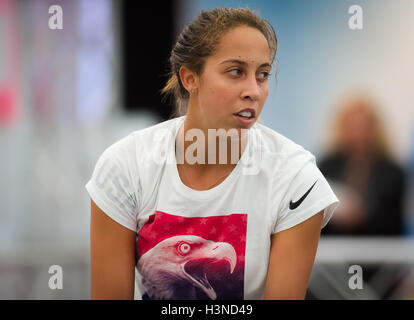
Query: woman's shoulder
pixel 145 138
pixel 387 166
pixel 156 132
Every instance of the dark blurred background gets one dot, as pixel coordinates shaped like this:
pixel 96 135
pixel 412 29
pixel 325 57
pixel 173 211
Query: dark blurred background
pixel 148 35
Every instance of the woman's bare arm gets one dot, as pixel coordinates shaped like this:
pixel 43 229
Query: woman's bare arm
pixel 112 257
pixel 292 256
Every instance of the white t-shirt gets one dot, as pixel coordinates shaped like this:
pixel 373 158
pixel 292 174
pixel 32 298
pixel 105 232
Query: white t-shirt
pixel 210 244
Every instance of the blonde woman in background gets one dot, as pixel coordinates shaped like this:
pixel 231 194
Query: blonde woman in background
pixel 370 184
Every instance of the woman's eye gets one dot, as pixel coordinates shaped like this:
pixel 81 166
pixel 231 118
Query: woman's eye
pixel 266 75
pixel 234 70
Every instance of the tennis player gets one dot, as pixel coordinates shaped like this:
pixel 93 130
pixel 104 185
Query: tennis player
pixel 210 204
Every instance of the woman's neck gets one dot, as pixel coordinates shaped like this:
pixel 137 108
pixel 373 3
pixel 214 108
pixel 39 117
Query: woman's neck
pixel 209 149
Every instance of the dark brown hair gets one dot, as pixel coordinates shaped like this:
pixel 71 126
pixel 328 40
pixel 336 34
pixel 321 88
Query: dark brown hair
pixel 199 40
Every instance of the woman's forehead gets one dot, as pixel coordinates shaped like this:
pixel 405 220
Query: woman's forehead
pixel 244 45
pixel 245 62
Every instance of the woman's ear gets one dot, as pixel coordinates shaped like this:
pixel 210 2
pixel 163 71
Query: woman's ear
pixel 188 78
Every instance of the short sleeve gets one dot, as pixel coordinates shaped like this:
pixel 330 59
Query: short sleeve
pixel 111 188
pixel 308 193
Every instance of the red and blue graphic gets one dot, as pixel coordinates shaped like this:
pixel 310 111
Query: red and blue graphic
pixel 188 258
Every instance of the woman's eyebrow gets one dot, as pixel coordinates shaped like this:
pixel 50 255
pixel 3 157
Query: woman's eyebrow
pixel 244 63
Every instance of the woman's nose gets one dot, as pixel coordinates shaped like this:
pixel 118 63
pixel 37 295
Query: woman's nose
pixel 251 89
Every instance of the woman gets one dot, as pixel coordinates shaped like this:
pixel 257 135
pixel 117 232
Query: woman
pixel 371 183
pixel 219 223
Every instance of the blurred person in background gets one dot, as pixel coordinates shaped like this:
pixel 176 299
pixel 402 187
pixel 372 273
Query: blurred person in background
pixel 369 183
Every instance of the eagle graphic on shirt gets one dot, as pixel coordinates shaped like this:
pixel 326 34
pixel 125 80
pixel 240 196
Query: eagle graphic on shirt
pixel 188 258
pixel 177 266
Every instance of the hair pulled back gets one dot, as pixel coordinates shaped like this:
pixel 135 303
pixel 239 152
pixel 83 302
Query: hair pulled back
pixel 199 40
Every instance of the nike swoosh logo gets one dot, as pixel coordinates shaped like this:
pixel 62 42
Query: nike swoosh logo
pixel 294 205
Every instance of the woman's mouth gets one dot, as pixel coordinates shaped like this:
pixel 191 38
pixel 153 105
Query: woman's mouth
pixel 246 116
pixel 245 120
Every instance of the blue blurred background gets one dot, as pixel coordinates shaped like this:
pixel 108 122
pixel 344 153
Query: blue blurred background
pixel 67 94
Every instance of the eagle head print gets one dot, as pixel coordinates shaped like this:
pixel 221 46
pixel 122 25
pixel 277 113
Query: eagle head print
pixel 191 258
pixel 177 267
